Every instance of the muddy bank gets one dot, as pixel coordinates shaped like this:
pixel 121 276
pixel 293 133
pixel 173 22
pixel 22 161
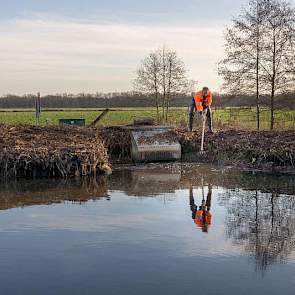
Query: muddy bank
pixel 267 150
pixel 51 151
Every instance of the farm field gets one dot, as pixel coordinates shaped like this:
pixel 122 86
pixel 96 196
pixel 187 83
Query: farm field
pixel 244 118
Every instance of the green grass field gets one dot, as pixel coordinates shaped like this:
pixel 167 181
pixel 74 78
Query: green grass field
pixel 226 118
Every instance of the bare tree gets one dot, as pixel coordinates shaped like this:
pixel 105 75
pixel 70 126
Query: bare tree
pixel 163 57
pixel 278 57
pixel 259 52
pixel 177 81
pixel 148 78
pixel 163 75
pixel 241 69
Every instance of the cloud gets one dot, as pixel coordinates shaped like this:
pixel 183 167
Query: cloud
pixel 57 55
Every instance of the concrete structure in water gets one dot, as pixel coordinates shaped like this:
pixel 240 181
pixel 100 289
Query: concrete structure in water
pixel 149 144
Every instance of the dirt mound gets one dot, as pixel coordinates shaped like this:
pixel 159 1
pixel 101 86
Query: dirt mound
pixel 267 150
pixel 51 151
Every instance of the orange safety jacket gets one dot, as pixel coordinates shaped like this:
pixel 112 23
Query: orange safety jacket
pixel 203 217
pixel 200 102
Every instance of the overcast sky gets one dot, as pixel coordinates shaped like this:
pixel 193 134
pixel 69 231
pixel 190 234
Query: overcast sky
pixel 57 46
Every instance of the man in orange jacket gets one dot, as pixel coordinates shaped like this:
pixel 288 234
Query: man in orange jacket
pixel 201 215
pixel 201 103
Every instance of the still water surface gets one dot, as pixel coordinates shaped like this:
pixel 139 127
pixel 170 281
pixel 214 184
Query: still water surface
pixel 182 230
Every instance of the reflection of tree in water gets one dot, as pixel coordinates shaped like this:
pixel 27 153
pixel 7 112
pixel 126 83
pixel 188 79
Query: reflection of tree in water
pixel 263 223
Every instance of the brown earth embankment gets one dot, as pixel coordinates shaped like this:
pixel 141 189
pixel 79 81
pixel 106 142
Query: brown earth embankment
pixel 266 150
pixel 52 151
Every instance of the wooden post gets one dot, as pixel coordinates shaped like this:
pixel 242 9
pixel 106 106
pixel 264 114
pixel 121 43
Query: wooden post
pixel 100 117
pixel 38 108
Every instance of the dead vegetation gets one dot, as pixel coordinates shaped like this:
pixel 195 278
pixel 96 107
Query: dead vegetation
pixel 165 137
pixel 51 151
pixel 267 150
pixel 33 151
pixel 117 141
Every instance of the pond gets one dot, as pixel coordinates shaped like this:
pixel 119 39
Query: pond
pixel 165 229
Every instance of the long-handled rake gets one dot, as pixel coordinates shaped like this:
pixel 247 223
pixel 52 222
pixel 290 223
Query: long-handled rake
pixel 203 128
pixel 203 133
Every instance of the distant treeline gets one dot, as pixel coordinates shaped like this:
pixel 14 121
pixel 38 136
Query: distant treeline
pixel 121 100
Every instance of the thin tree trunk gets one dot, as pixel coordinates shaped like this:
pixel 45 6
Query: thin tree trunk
pixel 257 70
pixel 257 89
pixel 169 88
pixel 257 105
pixel 273 82
pixel 167 107
pixel 157 105
pixel 167 101
pixel 164 79
pixel 163 105
pixel 156 96
pixel 272 107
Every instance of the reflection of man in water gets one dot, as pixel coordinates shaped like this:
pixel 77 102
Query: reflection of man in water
pixel 201 216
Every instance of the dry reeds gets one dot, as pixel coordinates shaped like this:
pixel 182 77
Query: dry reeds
pixel 117 140
pixel 51 151
pixel 265 149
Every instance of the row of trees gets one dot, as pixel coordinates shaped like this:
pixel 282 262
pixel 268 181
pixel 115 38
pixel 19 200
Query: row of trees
pixel 260 57
pixel 107 100
pixel 132 99
pixel 162 74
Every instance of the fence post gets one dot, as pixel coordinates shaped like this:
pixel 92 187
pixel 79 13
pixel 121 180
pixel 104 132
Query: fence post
pixel 38 108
